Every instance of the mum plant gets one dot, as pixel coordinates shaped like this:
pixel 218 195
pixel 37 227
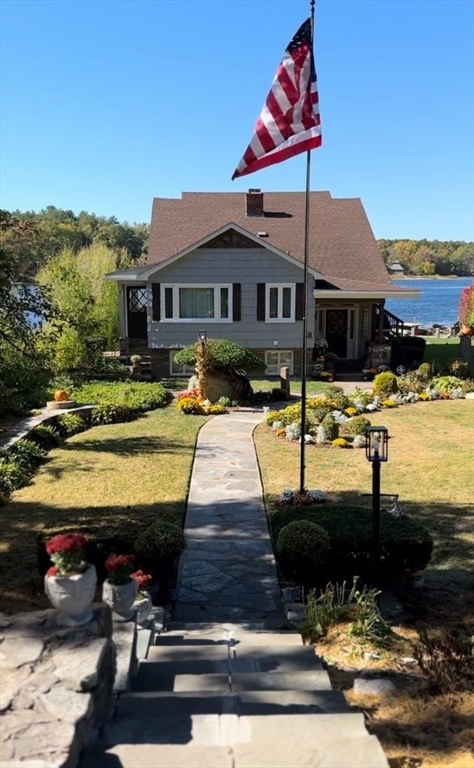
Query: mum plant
pixel 66 550
pixel 119 568
pixel 143 581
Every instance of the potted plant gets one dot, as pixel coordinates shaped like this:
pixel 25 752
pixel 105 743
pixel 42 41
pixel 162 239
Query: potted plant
pixel 142 604
pixel 70 583
pixel 466 311
pixel 136 368
pixel 119 590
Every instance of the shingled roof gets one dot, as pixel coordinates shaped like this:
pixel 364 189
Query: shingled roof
pixel 342 244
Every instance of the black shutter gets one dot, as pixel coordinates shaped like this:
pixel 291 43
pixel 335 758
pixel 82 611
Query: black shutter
pixel 299 308
pixel 156 302
pixel 236 302
pixel 261 301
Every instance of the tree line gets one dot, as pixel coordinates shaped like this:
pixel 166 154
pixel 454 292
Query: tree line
pixel 48 232
pixel 430 257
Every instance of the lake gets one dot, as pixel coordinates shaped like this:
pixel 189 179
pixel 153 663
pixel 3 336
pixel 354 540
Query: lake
pixel 438 303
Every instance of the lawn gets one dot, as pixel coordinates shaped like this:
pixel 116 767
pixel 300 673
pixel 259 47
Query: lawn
pixel 442 351
pixel 430 466
pixel 106 481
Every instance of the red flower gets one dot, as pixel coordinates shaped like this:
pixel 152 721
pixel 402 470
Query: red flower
pixel 53 571
pixel 142 579
pixel 115 562
pixel 65 542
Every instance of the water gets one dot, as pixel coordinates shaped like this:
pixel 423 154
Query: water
pixel 438 303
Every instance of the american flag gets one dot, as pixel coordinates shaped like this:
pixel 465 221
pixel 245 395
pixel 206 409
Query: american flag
pixel 289 122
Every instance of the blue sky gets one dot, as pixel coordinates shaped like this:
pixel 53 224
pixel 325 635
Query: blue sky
pixel 106 104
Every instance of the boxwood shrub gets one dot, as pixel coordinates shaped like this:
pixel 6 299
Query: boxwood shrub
pixel 302 549
pixel 45 436
pixel 405 543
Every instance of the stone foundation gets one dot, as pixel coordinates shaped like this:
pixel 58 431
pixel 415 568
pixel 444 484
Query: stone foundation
pixel 56 687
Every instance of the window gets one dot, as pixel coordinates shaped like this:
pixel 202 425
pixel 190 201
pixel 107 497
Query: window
pixel 195 303
pixel 276 359
pixel 280 303
pixel 137 300
pixel 179 370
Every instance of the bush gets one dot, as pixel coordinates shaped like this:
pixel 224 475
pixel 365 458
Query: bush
pixel 446 383
pixel 330 428
pixel 45 436
pixel 261 396
pixel 12 476
pixel 425 372
pixel 109 413
pixel 225 401
pixel 413 381
pixel 70 424
pixel 27 455
pixel 385 384
pixel 459 368
pixel 224 353
pixel 161 541
pixel 302 548
pixel 358 425
pixel 278 393
pixel 405 543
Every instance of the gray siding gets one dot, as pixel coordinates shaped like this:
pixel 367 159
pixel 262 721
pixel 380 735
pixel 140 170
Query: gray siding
pixel 248 267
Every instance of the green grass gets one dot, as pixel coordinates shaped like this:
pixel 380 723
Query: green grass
pixel 430 467
pixel 312 387
pixel 105 481
pixel 442 351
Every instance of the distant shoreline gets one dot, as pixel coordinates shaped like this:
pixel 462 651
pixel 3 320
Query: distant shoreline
pixel 432 277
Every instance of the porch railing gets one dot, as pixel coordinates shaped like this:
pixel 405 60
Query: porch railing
pixel 391 323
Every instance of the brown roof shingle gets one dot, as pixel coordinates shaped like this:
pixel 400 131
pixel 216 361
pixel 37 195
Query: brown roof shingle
pixel 342 244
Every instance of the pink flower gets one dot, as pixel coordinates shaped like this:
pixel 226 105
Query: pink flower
pixel 116 562
pixel 53 571
pixel 65 542
pixel 142 579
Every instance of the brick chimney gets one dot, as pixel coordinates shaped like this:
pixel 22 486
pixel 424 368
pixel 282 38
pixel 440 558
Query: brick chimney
pixel 254 203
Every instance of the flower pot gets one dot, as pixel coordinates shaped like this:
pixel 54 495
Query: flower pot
pixel 143 606
pixel 72 596
pixel 467 330
pixel 120 597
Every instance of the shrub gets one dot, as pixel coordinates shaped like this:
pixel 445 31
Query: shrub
pixel 320 412
pixel 302 548
pixel 45 436
pixel 12 476
pixel 161 541
pixel 358 425
pixel 445 660
pixel 278 393
pixel 223 353
pixel 109 413
pixel 385 384
pixel 413 381
pixel 425 371
pixel 405 543
pixel 446 383
pixel 330 428
pixel 261 396
pixel 225 401
pixel 27 455
pixel 70 424
pixel 459 368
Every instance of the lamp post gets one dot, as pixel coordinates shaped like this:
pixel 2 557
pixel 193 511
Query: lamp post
pixel 376 451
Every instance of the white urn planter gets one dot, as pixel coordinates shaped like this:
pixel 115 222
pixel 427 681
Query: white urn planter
pixel 72 596
pixel 120 597
pixel 143 606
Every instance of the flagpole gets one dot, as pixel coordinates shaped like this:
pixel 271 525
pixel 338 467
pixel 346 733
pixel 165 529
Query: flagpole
pixel 305 300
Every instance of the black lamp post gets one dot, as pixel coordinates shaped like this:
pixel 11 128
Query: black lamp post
pixel 202 336
pixel 376 451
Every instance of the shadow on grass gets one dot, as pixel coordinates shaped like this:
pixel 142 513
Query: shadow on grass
pixel 128 446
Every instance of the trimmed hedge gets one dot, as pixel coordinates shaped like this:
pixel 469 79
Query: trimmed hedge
pixel 405 543
pixel 136 396
pixel 302 549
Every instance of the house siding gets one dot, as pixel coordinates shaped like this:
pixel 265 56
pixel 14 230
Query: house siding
pixel 247 266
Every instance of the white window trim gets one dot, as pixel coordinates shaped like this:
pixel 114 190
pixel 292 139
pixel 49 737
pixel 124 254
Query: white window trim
pixel 187 370
pixel 217 303
pixel 280 287
pixel 279 365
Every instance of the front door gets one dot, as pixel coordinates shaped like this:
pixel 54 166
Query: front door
pixel 136 312
pixel 336 331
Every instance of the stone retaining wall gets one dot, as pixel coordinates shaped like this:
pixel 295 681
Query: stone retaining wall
pixel 56 687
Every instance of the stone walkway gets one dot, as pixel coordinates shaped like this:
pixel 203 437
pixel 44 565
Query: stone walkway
pixel 228 570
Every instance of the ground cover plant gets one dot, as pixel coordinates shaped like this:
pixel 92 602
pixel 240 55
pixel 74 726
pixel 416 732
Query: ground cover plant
pixel 109 483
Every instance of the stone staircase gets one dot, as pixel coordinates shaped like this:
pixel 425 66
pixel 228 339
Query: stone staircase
pixel 233 696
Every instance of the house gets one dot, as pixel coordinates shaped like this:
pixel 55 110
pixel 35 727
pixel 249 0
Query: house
pixel 396 269
pixel 232 264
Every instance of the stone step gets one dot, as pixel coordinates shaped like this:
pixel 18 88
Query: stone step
pixel 343 752
pixel 151 677
pixel 155 704
pixel 313 680
pixel 241 657
pixel 364 752
pixel 204 728
pixel 235 634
